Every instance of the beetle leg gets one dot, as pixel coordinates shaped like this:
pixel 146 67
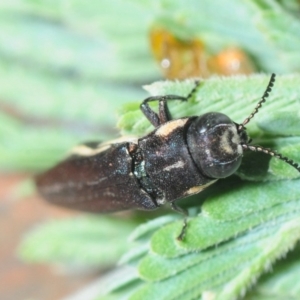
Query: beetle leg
pixel 164 114
pixel 186 214
pixel 163 111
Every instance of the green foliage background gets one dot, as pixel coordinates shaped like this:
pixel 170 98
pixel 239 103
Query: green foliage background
pixel 66 68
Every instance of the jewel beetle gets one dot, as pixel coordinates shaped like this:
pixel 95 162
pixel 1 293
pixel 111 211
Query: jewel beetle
pixel 179 158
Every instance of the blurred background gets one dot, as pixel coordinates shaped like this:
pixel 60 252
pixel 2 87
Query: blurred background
pixel 66 69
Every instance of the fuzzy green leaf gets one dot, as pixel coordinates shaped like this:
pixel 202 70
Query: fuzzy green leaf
pixel 86 240
pixel 243 226
pixel 279 283
pixel 234 96
pixel 224 272
pixel 79 39
pixel 145 230
pixel 62 53
pixel 65 70
pixel 154 267
pixel 227 213
pixel 285 122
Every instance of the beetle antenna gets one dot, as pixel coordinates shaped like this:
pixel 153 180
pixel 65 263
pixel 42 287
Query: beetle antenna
pixel 259 104
pixel 272 153
pixel 192 92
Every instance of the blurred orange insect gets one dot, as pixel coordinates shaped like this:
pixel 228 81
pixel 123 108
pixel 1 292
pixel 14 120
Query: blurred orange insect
pixel 182 59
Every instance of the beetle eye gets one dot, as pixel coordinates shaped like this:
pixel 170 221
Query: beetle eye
pixel 215 145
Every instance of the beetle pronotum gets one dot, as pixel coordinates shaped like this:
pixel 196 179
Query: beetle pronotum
pixel 178 158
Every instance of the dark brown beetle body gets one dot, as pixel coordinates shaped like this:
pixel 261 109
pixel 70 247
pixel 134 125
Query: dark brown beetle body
pixel 178 158
pixel 141 174
pixel 99 182
pixel 166 157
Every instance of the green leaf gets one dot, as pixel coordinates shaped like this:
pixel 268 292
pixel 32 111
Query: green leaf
pixel 234 96
pixel 281 30
pixel 86 240
pixel 285 122
pixel 140 239
pixel 234 219
pixel 154 267
pixel 65 70
pixel 224 271
pixel 73 62
pixel 133 256
pixel 243 227
pixel 79 39
pixel 145 230
pixel 279 283
pixel 122 293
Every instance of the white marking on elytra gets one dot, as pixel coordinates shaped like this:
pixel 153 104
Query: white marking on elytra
pixel 109 194
pixel 177 165
pixel 85 150
pixel 122 139
pixel 96 181
pixel 166 129
pixel 199 188
pixel 58 187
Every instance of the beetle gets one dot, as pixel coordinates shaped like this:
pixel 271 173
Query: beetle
pixel 179 158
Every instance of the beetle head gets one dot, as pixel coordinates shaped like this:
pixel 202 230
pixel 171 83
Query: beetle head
pixel 216 143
